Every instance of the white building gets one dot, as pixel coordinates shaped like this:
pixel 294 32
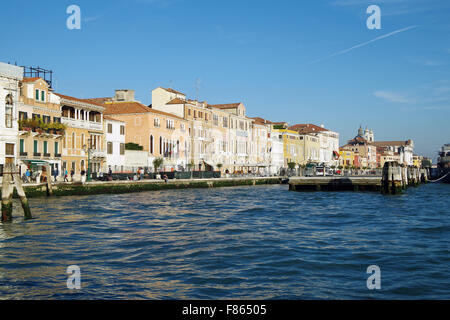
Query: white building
pixel 276 153
pixel 329 147
pixel 9 95
pixel 115 144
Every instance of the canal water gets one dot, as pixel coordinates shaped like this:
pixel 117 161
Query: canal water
pixel 227 243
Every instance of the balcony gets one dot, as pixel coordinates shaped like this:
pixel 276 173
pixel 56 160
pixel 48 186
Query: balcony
pixel 82 124
pixel 46 155
pixel 36 154
pixel 98 153
pixel 57 155
pixel 24 154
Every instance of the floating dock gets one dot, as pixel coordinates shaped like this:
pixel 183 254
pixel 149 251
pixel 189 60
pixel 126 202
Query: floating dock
pixel 394 180
pixel 335 183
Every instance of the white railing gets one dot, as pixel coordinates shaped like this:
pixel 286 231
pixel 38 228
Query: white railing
pixel 74 123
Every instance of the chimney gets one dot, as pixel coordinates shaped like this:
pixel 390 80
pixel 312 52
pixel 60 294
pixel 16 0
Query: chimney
pixel 124 96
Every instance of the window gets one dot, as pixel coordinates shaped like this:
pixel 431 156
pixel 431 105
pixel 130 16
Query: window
pixel 9 149
pixel 183 127
pixel 22 146
pixel 73 140
pixel 225 122
pixel 56 147
pixel 42 95
pixel 122 149
pixel 37 95
pixel 156 122
pixel 110 148
pixel 151 144
pixel 46 119
pixel 56 120
pixel 160 145
pixel 109 127
pixel 170 124
pixel 189 112
pixel 35 146
pixel 45 147
pixel 9 111
pixel 122 130
pixel 23 115
pixel 216 119
pixel 36 116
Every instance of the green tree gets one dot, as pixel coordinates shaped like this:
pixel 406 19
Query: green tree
pixel 157 163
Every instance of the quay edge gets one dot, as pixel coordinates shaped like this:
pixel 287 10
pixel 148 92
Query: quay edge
pixel 120 187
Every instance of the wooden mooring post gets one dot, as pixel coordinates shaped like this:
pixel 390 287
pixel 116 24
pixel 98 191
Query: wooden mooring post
pixel 11 178
pixel 392 181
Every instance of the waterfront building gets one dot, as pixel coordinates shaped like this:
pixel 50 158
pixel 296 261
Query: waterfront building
pixel 366 150
pixel 346 158
pixel 198 120
pixel 328 142
pixel 115 144
pixel 293 147
pixel 405 149
pixel 233 134
pixel 9 96
pixel 240 135
pixel 41 133
pixel 83 143
pixel 159 134
pixel 260 145
pixel 220 134
pixel 417 161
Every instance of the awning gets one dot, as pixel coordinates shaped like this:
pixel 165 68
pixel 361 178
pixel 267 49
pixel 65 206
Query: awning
pixel 336 154
pixel 36 162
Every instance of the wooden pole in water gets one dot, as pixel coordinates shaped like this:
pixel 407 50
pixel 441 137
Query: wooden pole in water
pixel 22 197
pixel 7 191
pixel 49 181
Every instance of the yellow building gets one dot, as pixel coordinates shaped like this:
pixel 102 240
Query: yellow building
pixel 292 146
pixel 346 158
pixel 417 161
pixel 84 138
pixel 40 130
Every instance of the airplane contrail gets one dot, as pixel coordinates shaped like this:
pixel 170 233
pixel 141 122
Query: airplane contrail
pixel 364 43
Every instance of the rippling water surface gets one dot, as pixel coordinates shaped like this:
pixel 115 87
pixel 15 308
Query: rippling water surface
pixel 246 242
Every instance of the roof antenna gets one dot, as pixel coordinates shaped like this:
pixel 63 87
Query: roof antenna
pixel 197 88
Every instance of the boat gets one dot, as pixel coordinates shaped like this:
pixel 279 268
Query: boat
pixel 444 163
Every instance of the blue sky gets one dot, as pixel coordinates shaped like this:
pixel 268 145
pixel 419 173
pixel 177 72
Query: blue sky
pixel 295 61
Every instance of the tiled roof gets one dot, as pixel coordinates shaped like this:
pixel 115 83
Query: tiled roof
pixel 111 118
pixel 30 79
pixel 226 106
pixel 173 91
pixel 89 101
pixel 176 101
pixel 100 100
pixel 306 128
pixel 391 143
pixel 113 108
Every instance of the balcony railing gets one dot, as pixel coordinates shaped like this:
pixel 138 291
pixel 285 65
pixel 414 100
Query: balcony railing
pixel 82 124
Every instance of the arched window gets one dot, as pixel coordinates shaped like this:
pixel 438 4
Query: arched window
pixel 9 111
pixel 151 144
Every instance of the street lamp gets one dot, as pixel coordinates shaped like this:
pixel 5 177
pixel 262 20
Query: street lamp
pixel 88 150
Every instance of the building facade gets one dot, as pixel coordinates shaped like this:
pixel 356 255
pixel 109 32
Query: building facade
pixel 10 76
pixel 115 144
pixel 40 131
pixel 84 141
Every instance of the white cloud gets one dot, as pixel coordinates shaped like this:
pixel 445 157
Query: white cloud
pixel 391 96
